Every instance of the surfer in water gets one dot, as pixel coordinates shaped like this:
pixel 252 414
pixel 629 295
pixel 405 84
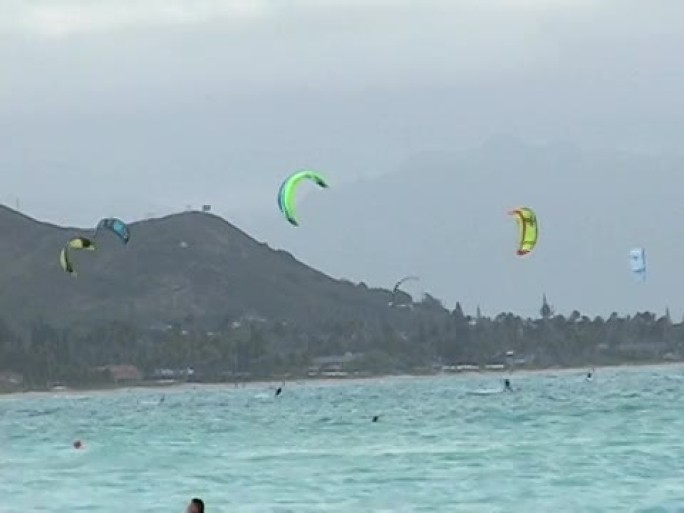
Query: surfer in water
pixel 196 506
pixel 590 375
pixel 507 385
pixel 279 391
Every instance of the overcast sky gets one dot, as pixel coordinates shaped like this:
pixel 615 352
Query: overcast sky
pixel 130 107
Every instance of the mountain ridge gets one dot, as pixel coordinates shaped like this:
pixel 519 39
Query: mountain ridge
pixel 189 265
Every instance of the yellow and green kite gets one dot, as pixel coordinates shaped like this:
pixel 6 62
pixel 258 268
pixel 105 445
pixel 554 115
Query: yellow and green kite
pixel 65 256
pixel 528 227
pixel 288 191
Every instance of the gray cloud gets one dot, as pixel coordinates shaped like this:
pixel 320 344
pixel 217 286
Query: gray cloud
pixel 134 107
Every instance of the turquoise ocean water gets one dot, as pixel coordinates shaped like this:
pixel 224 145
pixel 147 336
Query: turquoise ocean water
pixel 558 444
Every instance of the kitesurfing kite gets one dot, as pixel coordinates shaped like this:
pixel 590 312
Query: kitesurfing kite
pixel 529 229
pixel 116 226
pixel 395 290
pixel 288 191
pixel 65 256
pixel 637 261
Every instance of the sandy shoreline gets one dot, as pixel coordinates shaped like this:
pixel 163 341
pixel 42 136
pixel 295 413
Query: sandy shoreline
pixel 180 387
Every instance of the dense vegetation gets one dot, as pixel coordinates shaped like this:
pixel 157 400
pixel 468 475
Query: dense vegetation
pixel 428 338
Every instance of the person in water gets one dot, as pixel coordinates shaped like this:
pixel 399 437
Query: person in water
pixel 507 385
pixel 279 391
pixel 590 375
pixel 196 506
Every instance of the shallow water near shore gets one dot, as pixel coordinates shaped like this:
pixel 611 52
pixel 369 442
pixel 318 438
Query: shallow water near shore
pixel 557 443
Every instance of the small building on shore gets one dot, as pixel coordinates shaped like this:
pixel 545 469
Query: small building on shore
pixel 122 373
pixel 331 366
pixel 10 381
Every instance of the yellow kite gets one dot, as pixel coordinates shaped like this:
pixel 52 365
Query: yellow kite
pixel 529 229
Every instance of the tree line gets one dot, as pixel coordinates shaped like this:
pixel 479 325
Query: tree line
pixel 414 337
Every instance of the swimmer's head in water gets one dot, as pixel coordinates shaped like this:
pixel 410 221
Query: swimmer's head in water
pixel 78 444
pixel 196 506
pixel 375 418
